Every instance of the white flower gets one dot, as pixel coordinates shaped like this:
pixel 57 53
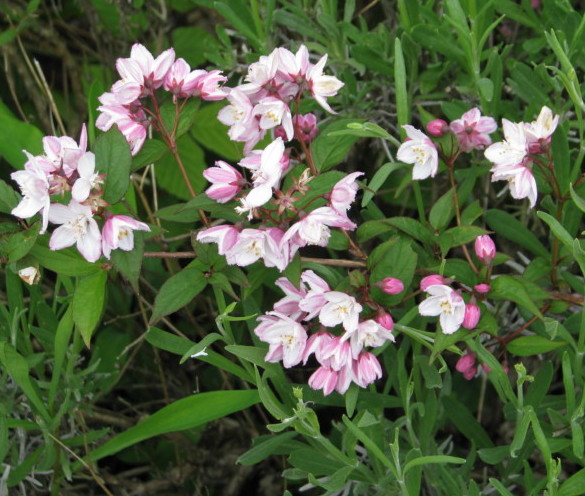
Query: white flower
pixel 340 309
pixel 420 151
pixel 512 150
pixel 34 186
pixel 543 127
pixel 88 178
pixel 446 303
pixel 78 227
pixel 322 86
pixel 369 333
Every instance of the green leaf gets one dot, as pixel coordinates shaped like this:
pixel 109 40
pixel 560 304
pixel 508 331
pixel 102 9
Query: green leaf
pixel 17 136
pixel 408 225
pixel 177 292
pixel 186 413
pixel 62 336
pixel 152 150
pixel 562 158
pixel 378 181
pixel 9 198
pixel 265 448
pixel 187 115
pixel 211 134
pixel 443 211
pixel 402 96
pixel 17 366
pixel 168 174
pixel 557 228
pixel 200 346
pixel 330 150
pixel 129 263
pixel 21 243
pixel 458 236
pixel 113 158
pixel 425 460
pixel 363 130
pixel 465 422
pixel 573 486
pixel 88 304
pixel 512 229
pixel 66 262
pixel 579 202
pixel 510 288
pixel 532 345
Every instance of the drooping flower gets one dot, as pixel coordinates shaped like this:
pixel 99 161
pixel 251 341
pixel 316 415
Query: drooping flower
pixel 78 227
pixel 473 130
pixel 226 181
pixel 118 233
pixel 366 369
pixel 225 236
pixel 371 334
pixel 343 193
pixel 285 336
pixel 447 304
pixel 322 86
pixel 34 186
pixel 420 151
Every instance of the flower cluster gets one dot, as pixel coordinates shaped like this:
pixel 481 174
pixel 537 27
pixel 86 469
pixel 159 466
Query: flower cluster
pixel 514 157
pixel 290 218
pixel 125 106
pixel 275 245
pixel 273 84
pixel 67 167
pixel 342 358
pixel 448 304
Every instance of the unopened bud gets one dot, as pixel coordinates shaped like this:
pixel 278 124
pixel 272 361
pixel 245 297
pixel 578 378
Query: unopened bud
pixel 472 315
pixel 391 285
pixel 437 128
pixel 385 320
pixel 465 362
pixel 433 280
pixel 470 373
pixel 485 249
pixel 482 288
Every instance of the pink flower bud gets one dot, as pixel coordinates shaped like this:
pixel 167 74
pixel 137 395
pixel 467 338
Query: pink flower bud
pixel 305 127
pixel 437 128
pixel 485 249
pixel 482 288
pixel 486 368
pixel 472 315
pixel 385 320
pixel 465 362
pixel 391 285
pixel 535 4
pixel 433 280
pixel 470 373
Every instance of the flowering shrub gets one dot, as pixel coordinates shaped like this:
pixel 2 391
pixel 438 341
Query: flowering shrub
pixel 419 203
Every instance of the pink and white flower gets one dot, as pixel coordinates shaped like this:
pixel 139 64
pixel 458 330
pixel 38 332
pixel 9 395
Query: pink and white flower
pixel 273 112
pixel 226 181
pixel 366 369
pixel 343 193
pixel 322 86
pixel 141 73
pixel 78 227
pixel 447 304
pixel 512 150
pixel 285 336
pixel 118 233
pixel 539 132
pixel 420 151
pixel 314 300
pixel 369 333
pixel 473 130
pixel 225 236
